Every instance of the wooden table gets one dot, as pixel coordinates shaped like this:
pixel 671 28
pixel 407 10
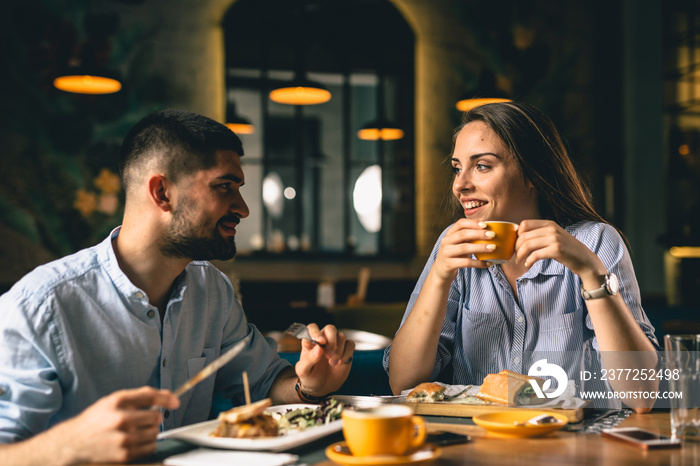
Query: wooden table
pixel 559 448
pixel 563 448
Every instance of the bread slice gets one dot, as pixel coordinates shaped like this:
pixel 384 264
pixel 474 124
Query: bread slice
pixel 247 421
pixel 427 392
pixel 509 388
pixel 241 413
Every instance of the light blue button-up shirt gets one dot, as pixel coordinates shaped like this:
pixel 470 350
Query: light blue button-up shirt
pixel 77 329
pixel 486 329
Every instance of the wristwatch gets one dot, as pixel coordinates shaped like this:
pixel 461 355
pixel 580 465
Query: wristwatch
pixel 611 285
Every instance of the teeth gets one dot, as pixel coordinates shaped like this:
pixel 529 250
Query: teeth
pixel 473 204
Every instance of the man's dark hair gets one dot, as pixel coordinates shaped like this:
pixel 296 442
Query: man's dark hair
pixel 185 142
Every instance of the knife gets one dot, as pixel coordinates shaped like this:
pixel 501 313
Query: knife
pixel 214 366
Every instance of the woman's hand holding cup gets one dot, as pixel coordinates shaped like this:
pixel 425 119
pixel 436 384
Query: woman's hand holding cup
pixel 504 240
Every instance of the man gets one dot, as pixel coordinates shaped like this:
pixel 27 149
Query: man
pixel 89 342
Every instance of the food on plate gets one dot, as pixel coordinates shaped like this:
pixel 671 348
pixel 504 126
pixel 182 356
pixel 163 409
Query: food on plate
pixel 509 388
pixel 247 421
pixel 428 392
pixel 252 421
pixel 302 418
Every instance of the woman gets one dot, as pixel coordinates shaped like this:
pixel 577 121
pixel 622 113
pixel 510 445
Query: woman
pixel 471 318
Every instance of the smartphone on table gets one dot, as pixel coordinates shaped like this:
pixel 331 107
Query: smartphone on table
pixel 443 438
pixel 640 438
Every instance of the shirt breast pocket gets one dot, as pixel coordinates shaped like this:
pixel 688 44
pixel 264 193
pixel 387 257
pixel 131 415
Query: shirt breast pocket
pixel 561 322
pixel 484 319
pixel 200 397
pixel 479 332
pixel 562 332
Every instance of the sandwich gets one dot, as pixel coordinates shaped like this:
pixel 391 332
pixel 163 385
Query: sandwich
pixel 247 421
pixel 426 393
pixel 510 388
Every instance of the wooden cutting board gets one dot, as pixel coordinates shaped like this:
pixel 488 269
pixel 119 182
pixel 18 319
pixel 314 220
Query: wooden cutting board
pixel 441 408
pixel 446 408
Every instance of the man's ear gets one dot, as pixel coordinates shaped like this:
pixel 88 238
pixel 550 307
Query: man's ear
pixel 158 192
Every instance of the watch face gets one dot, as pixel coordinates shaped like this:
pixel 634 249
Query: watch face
pixel 613 283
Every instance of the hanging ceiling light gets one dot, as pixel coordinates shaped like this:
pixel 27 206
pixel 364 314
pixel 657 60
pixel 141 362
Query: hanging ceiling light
pixel 86 80
pixel 87 72
pixel 241 127
pixel 487 85
pixel 237 123
pixel 380 130
pixel 87 84
pixel 300 91
pixel 465 105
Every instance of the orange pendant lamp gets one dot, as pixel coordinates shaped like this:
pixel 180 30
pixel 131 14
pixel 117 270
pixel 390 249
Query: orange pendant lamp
pixel 237 123
pixel 465 105
pixel 87 72
pixel 241 127
pixel 300 91
pixel 380 130
pixel 84 82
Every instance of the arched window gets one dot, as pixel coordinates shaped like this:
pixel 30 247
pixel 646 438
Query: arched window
pixel 304 164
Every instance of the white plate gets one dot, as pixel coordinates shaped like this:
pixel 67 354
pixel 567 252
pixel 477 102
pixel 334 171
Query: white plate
pixel 199 434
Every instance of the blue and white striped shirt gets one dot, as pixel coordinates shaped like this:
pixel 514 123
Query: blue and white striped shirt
pixel 487 330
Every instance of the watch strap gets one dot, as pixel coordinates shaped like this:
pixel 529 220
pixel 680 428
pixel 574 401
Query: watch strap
pixel 595 294
pixel 601 292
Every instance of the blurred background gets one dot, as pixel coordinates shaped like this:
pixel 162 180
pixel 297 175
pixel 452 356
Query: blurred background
pixel 348 188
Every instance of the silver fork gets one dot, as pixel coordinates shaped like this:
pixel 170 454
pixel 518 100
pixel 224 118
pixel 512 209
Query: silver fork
pixel 300 331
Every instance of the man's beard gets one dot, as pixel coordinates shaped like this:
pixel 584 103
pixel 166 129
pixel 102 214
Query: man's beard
pixel 188 239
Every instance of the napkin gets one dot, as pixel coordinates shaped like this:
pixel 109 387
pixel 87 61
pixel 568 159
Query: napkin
pixel 566 400
pixel 209 457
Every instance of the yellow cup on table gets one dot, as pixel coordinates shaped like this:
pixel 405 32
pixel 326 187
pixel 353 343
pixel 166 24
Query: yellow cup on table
pixel 506 234
pixel 383 430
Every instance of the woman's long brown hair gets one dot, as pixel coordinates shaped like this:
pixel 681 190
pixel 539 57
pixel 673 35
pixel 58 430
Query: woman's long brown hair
pixel 535 143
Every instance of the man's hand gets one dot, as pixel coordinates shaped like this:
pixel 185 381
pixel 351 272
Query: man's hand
pixel 324 370
pixel 117 428
pixel 120 427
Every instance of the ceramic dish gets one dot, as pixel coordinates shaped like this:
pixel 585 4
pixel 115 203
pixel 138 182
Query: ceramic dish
pixel 514 423
pixel 199 434
pixel 339 453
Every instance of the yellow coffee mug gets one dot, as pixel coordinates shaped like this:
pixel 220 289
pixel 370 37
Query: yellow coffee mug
pixel 506 234
pixel 383 430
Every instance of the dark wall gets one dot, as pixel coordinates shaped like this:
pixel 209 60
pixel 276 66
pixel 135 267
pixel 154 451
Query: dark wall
pixel 275 305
